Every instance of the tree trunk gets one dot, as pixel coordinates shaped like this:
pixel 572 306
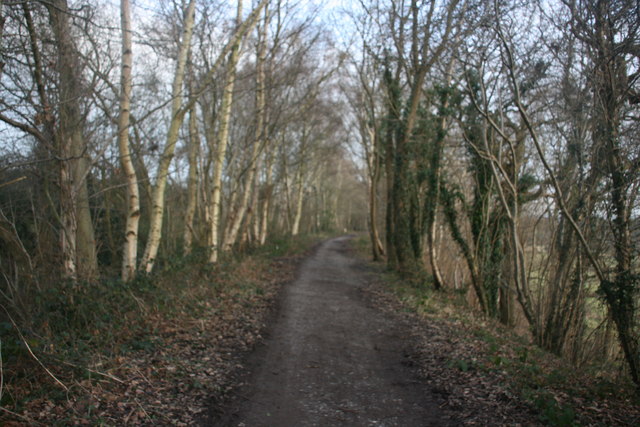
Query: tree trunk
pixel 253 223
pixel 336 198
pixel 192 184
pixel 266 200
pixel 433 195
pixel 78 240
pixel 258 142
pixel 177 116
pixel 130 250
pixel 295 227
pixel 2 20
pixel 68 220
pixel 392 122
pixel 376 244
pixel 221 142
pixel 86 241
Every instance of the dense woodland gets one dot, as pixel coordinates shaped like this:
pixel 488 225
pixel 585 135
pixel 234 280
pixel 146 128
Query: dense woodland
pixel 489 148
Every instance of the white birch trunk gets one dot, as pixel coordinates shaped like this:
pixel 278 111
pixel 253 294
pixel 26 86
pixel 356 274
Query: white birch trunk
pixel 177 116
pixel 295 228
pixel 130 250
pixel 239 216
pixel 264 212
pixel 252 225
pixel 221 146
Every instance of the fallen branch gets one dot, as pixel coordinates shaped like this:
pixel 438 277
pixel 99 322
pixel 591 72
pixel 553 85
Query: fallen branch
pixel 22 417
pixel 104 374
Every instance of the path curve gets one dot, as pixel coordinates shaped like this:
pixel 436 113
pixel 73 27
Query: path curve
pixel 331 359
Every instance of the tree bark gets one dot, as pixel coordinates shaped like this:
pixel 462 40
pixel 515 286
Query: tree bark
pixel 295 227
pixel 266 199
pixel 258 142
pixel 192 183
pixel 78 239
pixel 130 250
pixel 177 116
pixel 221 141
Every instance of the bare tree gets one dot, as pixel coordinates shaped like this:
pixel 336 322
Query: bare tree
pixel 177 116
pixel 259 138
pixel 221 142
pixel 130 251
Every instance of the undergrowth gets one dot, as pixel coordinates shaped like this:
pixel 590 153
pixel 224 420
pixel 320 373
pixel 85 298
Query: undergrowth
pixel 560 393
pixel 78 332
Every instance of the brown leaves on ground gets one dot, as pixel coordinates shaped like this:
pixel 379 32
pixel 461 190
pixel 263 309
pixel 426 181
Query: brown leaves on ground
pixel 481 373
pixel 485 375
pixel 181 370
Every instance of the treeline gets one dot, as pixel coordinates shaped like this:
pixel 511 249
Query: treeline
pixel 182 125
pixel 499 146
pixel 502 153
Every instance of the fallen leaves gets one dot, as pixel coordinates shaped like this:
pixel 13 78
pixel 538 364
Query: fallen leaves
pixel 175 375
pixel 480 380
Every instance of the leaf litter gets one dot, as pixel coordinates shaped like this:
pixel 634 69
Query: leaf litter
pixel 484 374
pixel 175 375
pixel 185 371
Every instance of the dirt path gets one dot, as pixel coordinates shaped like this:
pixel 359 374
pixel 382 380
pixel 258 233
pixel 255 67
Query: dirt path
pixel 331 359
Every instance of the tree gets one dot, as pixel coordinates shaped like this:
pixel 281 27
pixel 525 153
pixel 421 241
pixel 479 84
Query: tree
pixel 365 101
pixel 610 31
pixel 421 37
pixel 177 115
pixel 130 250
pixel 179 109
pixel 221 141
pixel 59 127
pixel 259 140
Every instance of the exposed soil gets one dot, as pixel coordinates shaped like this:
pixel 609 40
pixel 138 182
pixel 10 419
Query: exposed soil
pixel 331 358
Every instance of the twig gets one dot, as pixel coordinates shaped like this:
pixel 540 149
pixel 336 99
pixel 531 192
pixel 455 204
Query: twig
pixel 509 62
pixel 143 410
pixel 126 419
pixel 94 371
pixel 141 304
pixel 143 376
pixel 1 372
pixel 13 181
pixel 27 419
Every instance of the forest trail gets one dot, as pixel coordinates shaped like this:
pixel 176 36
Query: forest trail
pixel 332 359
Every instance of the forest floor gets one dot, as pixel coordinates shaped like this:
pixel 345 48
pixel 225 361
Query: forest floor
pixel 161 351
pixel 342 351
pixel 345 350
pixel 319 338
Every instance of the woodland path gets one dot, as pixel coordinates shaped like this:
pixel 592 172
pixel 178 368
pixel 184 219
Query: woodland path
pixel 331 358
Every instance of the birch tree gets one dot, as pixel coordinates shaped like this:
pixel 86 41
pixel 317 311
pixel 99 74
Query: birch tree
pixel 192 181
pixel 177 116
pixel 259 139
pixel 130 250
pixel 221 142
